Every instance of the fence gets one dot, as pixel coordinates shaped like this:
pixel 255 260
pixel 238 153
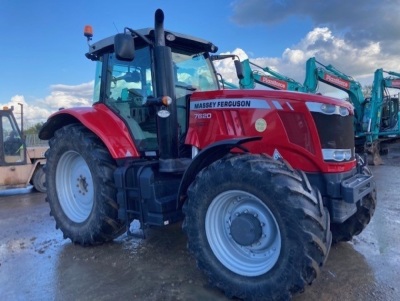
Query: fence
pixel 33 140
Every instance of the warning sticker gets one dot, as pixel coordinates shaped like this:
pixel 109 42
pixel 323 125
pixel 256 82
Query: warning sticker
pixel 276 155
pixel 261 125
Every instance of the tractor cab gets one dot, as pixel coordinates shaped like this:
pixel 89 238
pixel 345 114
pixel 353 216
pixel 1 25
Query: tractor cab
pixel 12 146
pixel 126 82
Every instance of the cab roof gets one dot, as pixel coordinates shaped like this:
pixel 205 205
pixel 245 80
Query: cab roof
pixel 184 42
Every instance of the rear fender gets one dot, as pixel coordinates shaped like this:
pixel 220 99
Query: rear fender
pixel 99 119
pixel 207 156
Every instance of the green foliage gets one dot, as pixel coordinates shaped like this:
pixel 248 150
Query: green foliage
pixel 366 90
pixel 33 129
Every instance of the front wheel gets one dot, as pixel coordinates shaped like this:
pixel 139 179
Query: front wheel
pixel 80 186
pixel 256 227
pixel 39 179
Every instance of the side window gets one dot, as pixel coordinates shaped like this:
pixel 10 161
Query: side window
pixel 97 82
pixel 13 145
pixel 130 80
pixel 128 86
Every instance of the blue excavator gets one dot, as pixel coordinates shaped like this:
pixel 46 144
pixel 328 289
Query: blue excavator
pixel 381 111
pixel 376 117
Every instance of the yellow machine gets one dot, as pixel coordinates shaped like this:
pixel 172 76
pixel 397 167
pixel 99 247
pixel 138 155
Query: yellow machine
pixel 20 166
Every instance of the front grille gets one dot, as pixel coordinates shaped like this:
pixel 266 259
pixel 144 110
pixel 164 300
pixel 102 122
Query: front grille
pixel 297 129
pixel 335 131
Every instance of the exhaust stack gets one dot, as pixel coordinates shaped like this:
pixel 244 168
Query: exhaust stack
pixel 159 28
pixel 165 86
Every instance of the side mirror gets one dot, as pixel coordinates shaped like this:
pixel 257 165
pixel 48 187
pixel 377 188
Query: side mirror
pixel 124 47
pixel 239 69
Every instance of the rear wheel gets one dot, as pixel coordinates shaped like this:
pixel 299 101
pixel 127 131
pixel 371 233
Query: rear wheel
pixel 39 179
pixel 80 188
pixel 256 228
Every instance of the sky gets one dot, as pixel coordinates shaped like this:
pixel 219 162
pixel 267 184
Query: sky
pixel 42 49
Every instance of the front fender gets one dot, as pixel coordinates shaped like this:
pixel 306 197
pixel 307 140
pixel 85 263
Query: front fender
pixel 207 156
pixel 100 120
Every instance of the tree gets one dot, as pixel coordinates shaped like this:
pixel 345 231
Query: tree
pixel 367 90
pixel 33 129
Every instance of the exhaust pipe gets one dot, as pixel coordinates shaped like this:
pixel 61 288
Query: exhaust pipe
pixel 159 28
pixel 165 86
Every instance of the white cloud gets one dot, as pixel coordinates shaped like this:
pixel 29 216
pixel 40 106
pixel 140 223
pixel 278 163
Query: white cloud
pixel 69 96
pixel 361 22
pixel 358 62
pixel 60 96
pixel 293 56
pixel 226 67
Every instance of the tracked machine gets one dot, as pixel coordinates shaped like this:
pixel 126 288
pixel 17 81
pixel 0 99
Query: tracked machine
pixel 261 180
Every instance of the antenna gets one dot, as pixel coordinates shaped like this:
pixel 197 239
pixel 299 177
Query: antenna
pixel 116 28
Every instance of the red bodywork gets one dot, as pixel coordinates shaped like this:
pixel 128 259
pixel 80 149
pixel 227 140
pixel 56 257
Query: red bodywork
pixel 395 83
pixel 281 118
pixel 101 121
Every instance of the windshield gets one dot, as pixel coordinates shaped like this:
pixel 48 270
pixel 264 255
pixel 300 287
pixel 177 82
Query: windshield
pixel 13 145
pixel 195 70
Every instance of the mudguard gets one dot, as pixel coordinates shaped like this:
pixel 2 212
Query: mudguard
pixel 207 156
pixel 100 120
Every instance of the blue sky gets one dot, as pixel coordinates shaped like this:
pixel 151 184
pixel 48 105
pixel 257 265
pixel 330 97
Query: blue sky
pixel 43 47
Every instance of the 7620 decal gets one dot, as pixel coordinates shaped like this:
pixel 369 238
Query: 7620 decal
pixel 203 116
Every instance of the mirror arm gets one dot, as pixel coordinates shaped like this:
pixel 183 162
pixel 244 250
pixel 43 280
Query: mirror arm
pixel 139 35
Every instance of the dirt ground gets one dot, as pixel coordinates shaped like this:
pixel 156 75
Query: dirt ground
pixel 36 263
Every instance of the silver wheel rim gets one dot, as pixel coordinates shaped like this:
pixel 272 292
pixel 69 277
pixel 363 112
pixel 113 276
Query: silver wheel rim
pixel 255 259
pixel 75 189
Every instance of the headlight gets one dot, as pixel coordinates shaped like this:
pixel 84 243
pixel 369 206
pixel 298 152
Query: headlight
pixel 336 154
pixel 328 109
pixel 343 111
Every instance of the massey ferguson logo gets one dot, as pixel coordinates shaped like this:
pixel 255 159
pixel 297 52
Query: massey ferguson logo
pixel 274 82
pixel 337 81
pixel 396 83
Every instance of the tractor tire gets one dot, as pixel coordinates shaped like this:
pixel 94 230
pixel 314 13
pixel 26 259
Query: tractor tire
pixel 80 187
pixel 39 179
pixel 256 227
pixel 355 224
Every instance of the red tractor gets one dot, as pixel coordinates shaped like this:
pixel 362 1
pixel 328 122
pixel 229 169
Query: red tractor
pixel 263 180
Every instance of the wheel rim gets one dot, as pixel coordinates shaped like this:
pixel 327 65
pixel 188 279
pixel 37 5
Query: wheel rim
pixel 254 259
pixel 75 187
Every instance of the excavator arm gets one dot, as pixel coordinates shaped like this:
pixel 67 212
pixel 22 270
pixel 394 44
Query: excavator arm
pixel 333 77
pixel 274 81
pixel 383 106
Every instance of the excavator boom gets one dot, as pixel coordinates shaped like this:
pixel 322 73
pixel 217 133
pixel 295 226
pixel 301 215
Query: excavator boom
pixel 274 80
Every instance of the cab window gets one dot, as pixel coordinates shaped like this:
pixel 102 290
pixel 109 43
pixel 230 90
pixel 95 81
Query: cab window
pixel 128 86
pixel 13 144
